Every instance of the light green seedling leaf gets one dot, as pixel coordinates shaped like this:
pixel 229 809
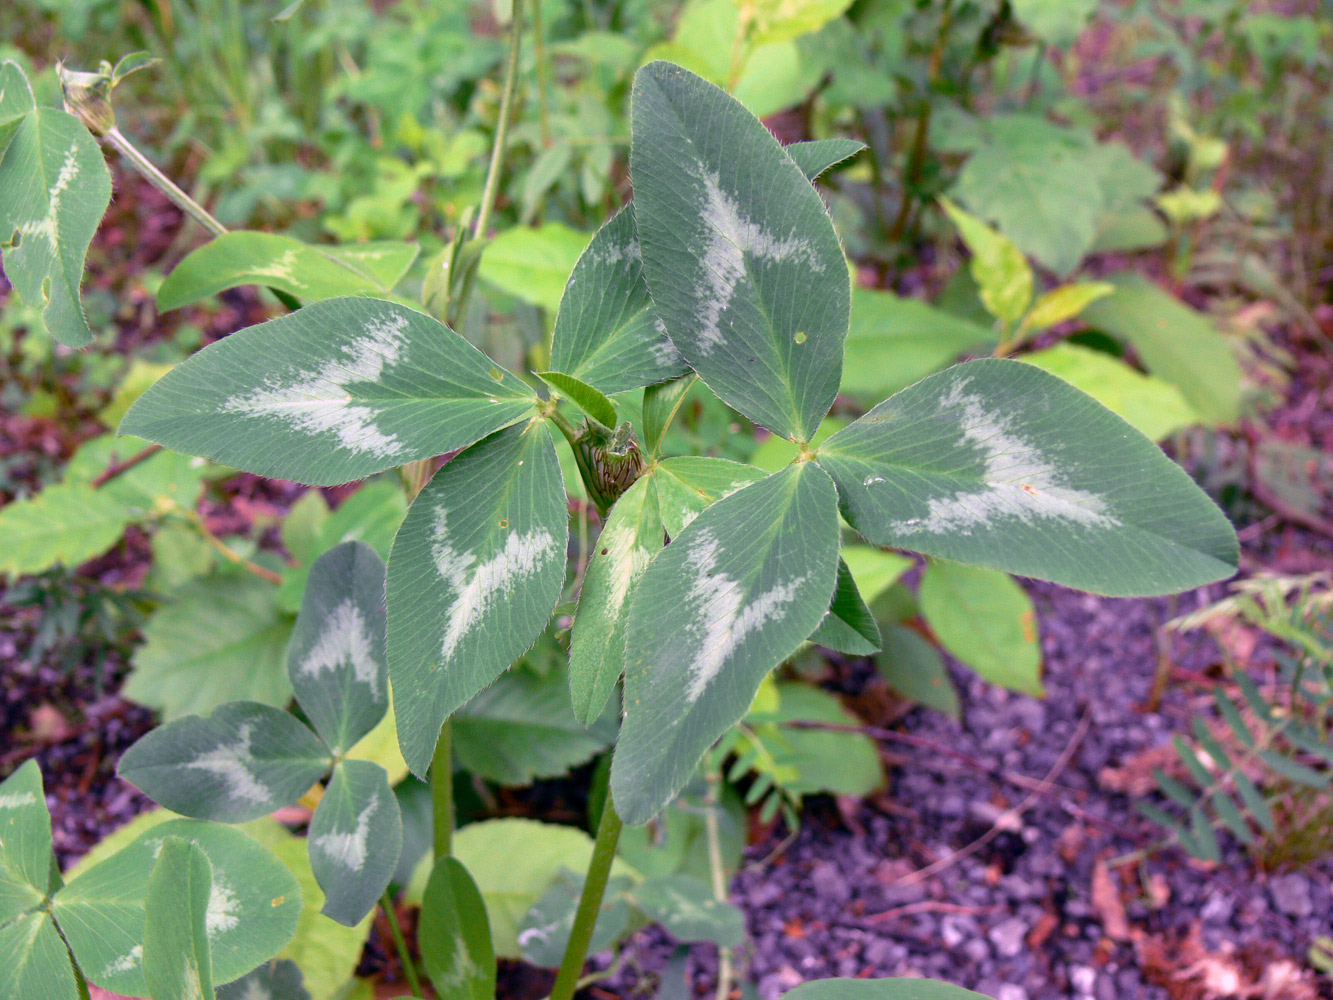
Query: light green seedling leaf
pixel 310 273
pixel 63 525
pixel 660 405
pixel 177 959
pixel 818 155
pixel 1001 272
pixel 895 341
pixel 36 965
pixel 588 399
pixel 782 20
pixel 1000 464
pixel 523 727
pixel 238 764
pixel 547 926
pixel 1176 343
pixel 873 570
pixel 252 907
pixel 633 535
pixel 54 190
pixel 1064 303
pixel 726 602
pixel 533 264
pixel 276 980
pixel 475 572
pixel 685 906
pixel 455 935
pixel 355 836
pixel 1055 22
pixel 336 660
pixel 881 989
pixel 334 392
pixel 25 844
pixel 742 261
pixel 1152 406
pixel 822 760
pixel 221 639
pixel 913 668
pixel 606 332
pixel 986 620
pixel 687 485
pixel 848 625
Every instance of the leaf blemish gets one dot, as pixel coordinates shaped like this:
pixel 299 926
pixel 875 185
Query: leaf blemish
pixel 12 800
pixel 223 907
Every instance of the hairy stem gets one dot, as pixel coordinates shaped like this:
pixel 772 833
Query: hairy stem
pixel 404 956
pixel 114 138
pixel 719 877
pixel 590 902
pixel 543 74
pixel 489 192
pixel 442 792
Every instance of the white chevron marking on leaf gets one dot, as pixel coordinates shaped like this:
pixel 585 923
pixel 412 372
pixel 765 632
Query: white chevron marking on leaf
pixel 345 639
pixel 229 761
pixel 349 849
pixel 223 909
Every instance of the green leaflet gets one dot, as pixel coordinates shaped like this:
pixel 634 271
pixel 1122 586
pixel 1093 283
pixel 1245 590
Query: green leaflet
pixel 455 935
pixel 523 727
pixel 913 668
pixel 818 155
pixel 252 907
pixel 741 259
pixel 475 572
pixel 238 764
pixel 334 392
pixel 687 485
pixel 881 989
pixel 277 980
pixel 25 843
pixel 1000 464
pixel 547 926
pixel 685 906
pixel 533 264
pixel 605 332
pixel 36 965
pixel 999 268
pixel 355 836
pixel 848 626
pixel 63 525
pixel 54 189
pixel 177 959
pixel 310 273
pixel 631 537
pixel 336 660
pixel 720 607
pixel 986 620
pixel 660 405
pixel 821 760
pixel 588 399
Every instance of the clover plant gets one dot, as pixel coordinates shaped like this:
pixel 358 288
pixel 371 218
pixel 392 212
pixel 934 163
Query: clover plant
pixel 725 269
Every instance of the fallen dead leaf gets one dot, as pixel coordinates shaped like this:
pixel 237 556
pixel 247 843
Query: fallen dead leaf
pixel 1108 904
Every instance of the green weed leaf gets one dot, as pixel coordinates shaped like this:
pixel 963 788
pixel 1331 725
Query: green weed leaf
pixel 986 620
pixel 685 906
pixel 1003 277
pixel 589 400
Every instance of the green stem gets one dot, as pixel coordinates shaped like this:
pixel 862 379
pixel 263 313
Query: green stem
pixel 489 192
pixel 442 792
pixel 543 74
pixel 719 877
pixel 590 903
pixel 404 956
pixel 117 141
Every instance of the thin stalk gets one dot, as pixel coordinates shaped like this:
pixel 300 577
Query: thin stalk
pixel 489 192
pixel 719 878
pixel 543 74
pixel 442 792
pixel 404 956
pixel 197 522
pixel 117 141
pixel 590 902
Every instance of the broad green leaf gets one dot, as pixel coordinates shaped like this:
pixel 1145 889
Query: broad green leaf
pixel 25 843
pixel 310 273
pixel 162 483
pixel 455 935
pixel 881 989
pixel 276 980
pixel 742 261
pixel 1000 464
pixel 781 20
pixel 726 602
pixel 220 639
pixel 63 525
pixel 334 392
pixel 986 620
pixel 54 189
pixel 818 155
pixel 823 760
pixel 1064 303
pixel 36 965
pixel 606 332
pixel 630 539
pixel 534 264
pixel 133 384
pixel 523 727
pixel 588 399
pixel 913 668
pixel 1054 22
pixel 1001 272
pixel 873 570
pixel 475 572
pixel 252 907
pixel 1152 406
pixel 372 515
pixel 687 485
pixel 300 529
pixel 238 764
pixel 177 959
pixel 848 626
pixel 355 836
pixel 1176 343
pixel 895 341
pixel 685 906
pixel 547 926
pixel 336 660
